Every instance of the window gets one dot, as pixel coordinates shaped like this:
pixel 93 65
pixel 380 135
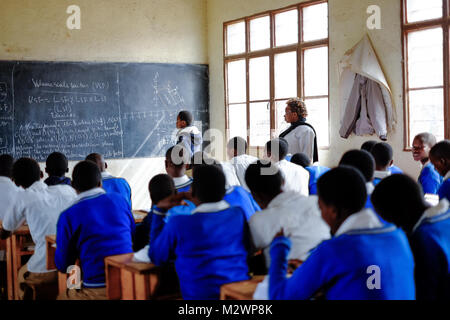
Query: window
pixel 426 55
pixel 269 58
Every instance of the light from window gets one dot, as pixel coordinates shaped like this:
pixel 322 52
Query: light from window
pixel 259 78
pixel 259 123
pixel 237 118
pixel 260 33
pixel 286 75
pixel 419 10
pixel 236 85
pixel 318 118
pixel 315 22
pixel 286 28
pixel 316 72
pixel 236 38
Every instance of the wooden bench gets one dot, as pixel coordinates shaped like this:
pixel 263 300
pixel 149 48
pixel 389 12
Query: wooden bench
pixel 241 290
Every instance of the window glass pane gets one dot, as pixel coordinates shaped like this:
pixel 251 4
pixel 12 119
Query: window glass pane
pixel 260 33
pixel 426 112
pixel 315 22
pixel 280 107
pixel 237 120
pixel 259 123
pixel 236 81
pixel 286 75
pixel 316 72
pixel 318 118
pixel 418 10
pixel 259 78
pixel 425 58
pixel 236 38
pixel 286 28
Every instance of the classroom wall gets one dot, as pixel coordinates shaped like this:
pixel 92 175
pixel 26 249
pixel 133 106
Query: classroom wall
pixel 347 25
pixel 167 31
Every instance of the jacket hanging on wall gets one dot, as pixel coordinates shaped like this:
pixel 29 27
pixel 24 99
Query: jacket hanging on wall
pixel 365 96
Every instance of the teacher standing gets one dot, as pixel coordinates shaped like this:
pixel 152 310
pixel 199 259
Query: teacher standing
pixel 301 136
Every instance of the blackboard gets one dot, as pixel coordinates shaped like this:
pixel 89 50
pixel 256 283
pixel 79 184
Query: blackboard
pixel 121 110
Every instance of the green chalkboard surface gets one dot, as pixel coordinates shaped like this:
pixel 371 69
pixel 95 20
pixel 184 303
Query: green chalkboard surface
pixel 121 110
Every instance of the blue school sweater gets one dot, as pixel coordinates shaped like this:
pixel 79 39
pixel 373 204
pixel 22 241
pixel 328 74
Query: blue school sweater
pixel 54 180
pixel 185 187
pixel 444 190
pixel 93 228
pixel 340 267
pixel 394 170
pixel 430 242
pixel 315 172
pixel 430 179
pixel 118 185
pixel 210 249
pixel 237 196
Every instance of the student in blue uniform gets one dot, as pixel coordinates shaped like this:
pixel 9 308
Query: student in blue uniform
pixel 363 260
pixel 440 158
pixel 176 163
pixel 399 199
pixel 210 245
pixel 56 167
pixel 429 178
pixel 368 145
pixel 110 183
pixel 382 154
pixel 315 172
pixel 98 225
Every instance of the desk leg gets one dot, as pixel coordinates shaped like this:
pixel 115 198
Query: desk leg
pixel 9 270
pixel 127 285
pixel 16 264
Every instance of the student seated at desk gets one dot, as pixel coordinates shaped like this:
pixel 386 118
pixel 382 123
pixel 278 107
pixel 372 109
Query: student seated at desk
pixel 440 158
pixel 110 183
pixel 239 159
pixel 96 226
pixel 363 260
pixel 210 245
pixel 315 171
pixel 176 164
pixel 382 154
pixel 39 205
pixel 399 199
pixel 368 145
pixel 56 167
pixel 289 210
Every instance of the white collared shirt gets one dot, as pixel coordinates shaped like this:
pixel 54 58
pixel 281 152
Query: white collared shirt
pixel 212 207
pixel 369 188
pixel 365 219
pixel 381 174
pixel 180 181
pixel 296 178
pixel 240 164
pixel 231 178
pixel 88 194
pixel 8 195
pixel 440 208
pixel 40 206
pixel 106 175
pixel 299 217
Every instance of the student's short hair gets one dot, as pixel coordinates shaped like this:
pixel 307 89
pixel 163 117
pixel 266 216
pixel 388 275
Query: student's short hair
pixel 382 154
pixel 441 150
pixel 6 165
pixel 298 106
pixel 361 160
pixel 177 155
pixel 239 144
pixel 427 138
pixel 161 186
pixel 208 183
pixel 394 196
pixel 301 159
pixel 344 188
pixel 56 164
pixel 257 182
pixel 25 172
pixel 185 116
pixel 368 145
pixel 86 176
pixel 283 147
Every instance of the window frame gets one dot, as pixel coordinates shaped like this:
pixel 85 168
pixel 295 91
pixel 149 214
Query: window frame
pixel 444 23
pixel 298 47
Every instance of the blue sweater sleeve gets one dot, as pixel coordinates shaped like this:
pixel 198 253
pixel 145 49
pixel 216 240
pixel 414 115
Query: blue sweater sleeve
pixel 444 190
pixel 430 180
pixel 66 253
pixel 162 240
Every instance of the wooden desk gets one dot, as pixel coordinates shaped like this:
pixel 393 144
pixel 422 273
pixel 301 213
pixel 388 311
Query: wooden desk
pixel 242 290
pixel 139 215
pixel 128 280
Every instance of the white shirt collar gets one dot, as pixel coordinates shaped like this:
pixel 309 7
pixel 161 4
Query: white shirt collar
pixel 90 193
pixel 282 198
pixel 369 188
pixel 106 174
pixel 212 207
pixel 381 174
pixel 365 219
pixel 6 180
pixel 180 180
pixel 441 208
pixel 447 176
pixel 38 186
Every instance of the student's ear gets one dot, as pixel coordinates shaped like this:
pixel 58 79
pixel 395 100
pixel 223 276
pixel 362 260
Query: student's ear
pixel 391 163
pixel 106 165
pixel 41 174
pixel 67 170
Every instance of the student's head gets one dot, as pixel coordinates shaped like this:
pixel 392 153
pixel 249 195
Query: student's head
pixel 295 110
pixel 98 160
pixel 86 176
pixel 440 157
pixel 264 187
pixel 368 145
pixel 184 119
pixel 25 172
pixel 301 159
pixel 399 199
pixel 209 183
pixel 6 165
pixel 56 164
pixel 342 192
pixel 421 146
pixel 276 149
pixel 382 154
pixel 161 186
pixel 236 146
pixel 361 160
pixel 176 161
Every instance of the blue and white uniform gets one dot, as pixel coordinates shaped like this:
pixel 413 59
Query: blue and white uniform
pixel 430 179
pixel 315 172
pixel 444 189
pixel 380 175
pixel 118 185
pixel 182 184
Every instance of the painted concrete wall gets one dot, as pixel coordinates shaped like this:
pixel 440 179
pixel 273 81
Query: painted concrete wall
pixel 347 25
pixel 168 31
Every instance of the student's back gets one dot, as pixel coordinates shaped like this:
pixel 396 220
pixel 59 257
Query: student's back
pixel 8 190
